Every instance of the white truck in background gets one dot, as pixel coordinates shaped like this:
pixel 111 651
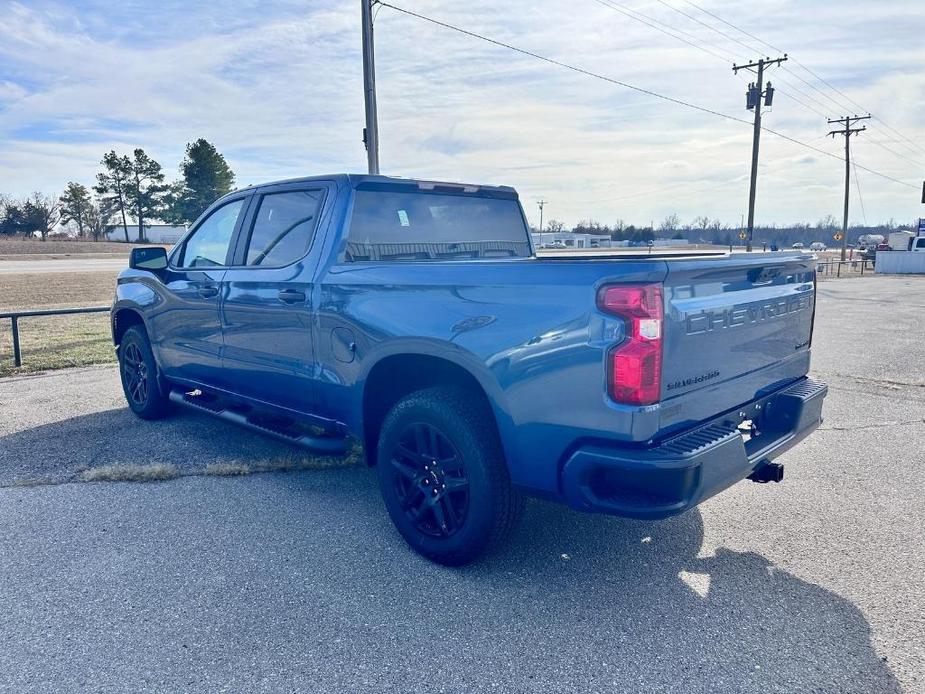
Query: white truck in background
pixel 906 241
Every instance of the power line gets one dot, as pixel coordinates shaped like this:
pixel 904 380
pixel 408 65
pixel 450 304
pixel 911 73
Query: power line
pixel 567 66
pixel 730 24
pixel 811 72
pixel 658 25
pixel 857 185
pixel 654 23
pixel 627 85
pixel 743 44
pixel 917 164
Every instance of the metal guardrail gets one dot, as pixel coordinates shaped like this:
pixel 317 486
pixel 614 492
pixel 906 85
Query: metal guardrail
pixel 14 317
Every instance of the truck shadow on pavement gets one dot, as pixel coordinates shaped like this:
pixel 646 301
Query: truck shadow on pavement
pixel 574 602
pixel 584 603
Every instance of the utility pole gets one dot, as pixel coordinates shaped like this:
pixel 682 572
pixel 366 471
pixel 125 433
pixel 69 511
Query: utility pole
pixel 847 131
pixel 541 204
pixel 756 92
pixel 371 131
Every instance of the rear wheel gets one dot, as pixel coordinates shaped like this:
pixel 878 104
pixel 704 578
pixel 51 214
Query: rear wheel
pixel 443 477
pixel 138 371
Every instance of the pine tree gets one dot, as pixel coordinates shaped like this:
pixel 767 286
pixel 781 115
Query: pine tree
pixel 145 189
pixel 112 183
pixel 75 201
pixel 206 176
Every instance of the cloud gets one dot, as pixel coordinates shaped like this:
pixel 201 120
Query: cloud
pixel 277 86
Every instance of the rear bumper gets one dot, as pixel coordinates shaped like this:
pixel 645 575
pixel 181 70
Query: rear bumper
pixel 684 470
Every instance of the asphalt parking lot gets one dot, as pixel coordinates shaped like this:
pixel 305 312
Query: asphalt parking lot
pixel 297 582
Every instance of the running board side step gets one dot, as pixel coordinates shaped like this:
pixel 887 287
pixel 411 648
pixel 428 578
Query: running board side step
pixel 323 445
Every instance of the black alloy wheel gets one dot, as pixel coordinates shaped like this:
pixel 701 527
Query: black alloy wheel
pixel 443 476
pixel 135 375
pixel 139 374
pixel 430 480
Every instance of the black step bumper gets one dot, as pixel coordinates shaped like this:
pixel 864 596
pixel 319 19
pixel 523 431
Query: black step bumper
pixel 685 470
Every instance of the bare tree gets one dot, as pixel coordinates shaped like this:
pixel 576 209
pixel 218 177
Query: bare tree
pixel 97 217
pixel 702 223
pixel 44 213
pixel 670 223
pixel 554 225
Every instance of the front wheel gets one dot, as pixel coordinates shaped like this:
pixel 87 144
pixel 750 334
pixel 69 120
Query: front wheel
pixel 139 376
pixel 443 477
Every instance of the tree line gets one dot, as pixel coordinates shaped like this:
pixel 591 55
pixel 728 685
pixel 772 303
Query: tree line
pixel 703 229
pixel 127 188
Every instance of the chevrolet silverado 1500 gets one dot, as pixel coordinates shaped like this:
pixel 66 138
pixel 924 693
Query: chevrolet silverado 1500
pixel 416 318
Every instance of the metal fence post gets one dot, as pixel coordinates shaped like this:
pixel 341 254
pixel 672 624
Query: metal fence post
pixel 14 317
pixel 838 274
pixel 17 356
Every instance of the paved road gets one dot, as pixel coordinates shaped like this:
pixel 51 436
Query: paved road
pixel 20 267
pixel 297 582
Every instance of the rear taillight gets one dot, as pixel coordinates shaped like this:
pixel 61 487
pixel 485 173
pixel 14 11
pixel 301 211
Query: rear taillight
pixel 634 367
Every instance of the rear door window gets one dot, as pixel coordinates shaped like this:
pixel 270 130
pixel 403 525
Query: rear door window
pixel 388 225
pixel 208 245
pixel 283 227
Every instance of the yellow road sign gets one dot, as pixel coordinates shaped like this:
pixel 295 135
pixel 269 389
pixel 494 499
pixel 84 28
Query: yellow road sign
pixel 837 236
pixel 742 235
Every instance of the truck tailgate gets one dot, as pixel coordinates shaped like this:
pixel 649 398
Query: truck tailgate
pixel 736 328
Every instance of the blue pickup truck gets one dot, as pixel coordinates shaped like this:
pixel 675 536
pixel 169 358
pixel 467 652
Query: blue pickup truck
pixel 416 318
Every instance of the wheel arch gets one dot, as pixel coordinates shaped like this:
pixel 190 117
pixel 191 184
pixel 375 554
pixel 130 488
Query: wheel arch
pixel 123 318
pixel 398 374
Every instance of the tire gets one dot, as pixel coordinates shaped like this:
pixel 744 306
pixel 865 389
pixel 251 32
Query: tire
pixel 443 477
pixel 138 371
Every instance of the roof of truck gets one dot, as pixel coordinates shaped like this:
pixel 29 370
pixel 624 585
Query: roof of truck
pixel 373 181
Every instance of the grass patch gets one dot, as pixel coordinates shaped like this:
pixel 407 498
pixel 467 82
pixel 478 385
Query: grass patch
pixel 300 461
pixel 55 342
pixel 31 482
pixel 227 469
pixel 156 472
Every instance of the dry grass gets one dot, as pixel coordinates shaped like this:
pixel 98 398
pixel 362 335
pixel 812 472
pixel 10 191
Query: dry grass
pixel 31 482
pixel 156 472
pixel 56 289
pixel 227 469
pixel 160 472
pixel 54 342
pixel 62 248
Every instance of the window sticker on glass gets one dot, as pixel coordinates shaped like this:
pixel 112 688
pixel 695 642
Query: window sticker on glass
pixel 403 218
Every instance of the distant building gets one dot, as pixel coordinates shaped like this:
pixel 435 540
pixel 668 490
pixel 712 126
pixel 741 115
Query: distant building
pixel 547 239
pixel 154 233
pixel 571 240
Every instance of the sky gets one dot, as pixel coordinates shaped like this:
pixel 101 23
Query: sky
pixel 277 86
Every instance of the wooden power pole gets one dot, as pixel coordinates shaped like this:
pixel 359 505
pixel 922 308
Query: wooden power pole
pixel 371 131
pixel 756 92
pixel 847 131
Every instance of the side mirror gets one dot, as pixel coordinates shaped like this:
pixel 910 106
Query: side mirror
pixel 152 259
